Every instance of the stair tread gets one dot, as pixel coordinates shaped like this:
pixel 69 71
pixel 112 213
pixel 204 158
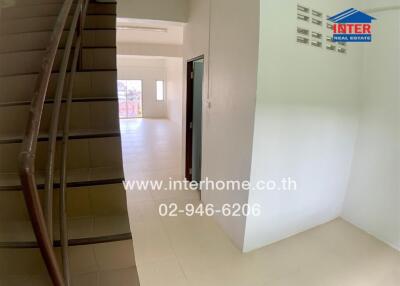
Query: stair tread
pixel 50 101
pixel 50 30
pixel 76 134
pixel 85 278
pixel 39 40
pixel 28 279
pixel 89 86
pixel 28 25
pixel 55 15
pixel 10 19
pixel 116 259
pixel 79 228
pixel 76 177
pixel 60 48
pixel 30 62
pixel 56 72
pixel 19 3
pixel 43 50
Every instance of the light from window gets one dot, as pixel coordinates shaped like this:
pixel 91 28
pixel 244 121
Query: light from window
pixel 130 98
pixel 160 90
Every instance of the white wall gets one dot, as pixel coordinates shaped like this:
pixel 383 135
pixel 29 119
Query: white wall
pixel 167 10
pixel 373 199
pixel 146 49
pixel 228 120
pixel 377 4
pixel 309 103
pixel 149 70
pixel 174 85
pixel 305 125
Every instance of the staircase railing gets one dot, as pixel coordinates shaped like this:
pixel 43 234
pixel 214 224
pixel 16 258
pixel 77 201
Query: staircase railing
pixel 42 221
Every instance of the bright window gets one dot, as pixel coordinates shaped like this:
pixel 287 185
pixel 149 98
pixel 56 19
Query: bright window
pixel 160 90
pixel 130 98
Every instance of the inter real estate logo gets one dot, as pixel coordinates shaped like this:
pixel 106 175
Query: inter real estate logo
pixel 352 26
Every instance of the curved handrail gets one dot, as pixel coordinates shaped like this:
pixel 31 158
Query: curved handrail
pixel 63 175
pixel 28 153
pixel 53 131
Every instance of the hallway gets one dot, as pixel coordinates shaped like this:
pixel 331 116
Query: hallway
pixel 150 148
pixel 194 250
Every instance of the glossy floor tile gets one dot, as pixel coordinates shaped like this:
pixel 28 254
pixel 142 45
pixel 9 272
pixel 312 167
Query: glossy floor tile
pixel 194 251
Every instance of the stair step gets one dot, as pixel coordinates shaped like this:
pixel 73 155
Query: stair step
pixel 71 242
pixel 52 9
pixel 19 3
pixel 76 178
pixel 101 257
pixel 27 62
pixel 39 40
pixel 21 280
pixel 89 134
pixel 21 11
pixel 29 25
pixel 93 211
pixel 120 277
pixel 87 118
pixel 81 230
pixel 94 84
pixel 51 101
pixel 82 154
pixel 40 187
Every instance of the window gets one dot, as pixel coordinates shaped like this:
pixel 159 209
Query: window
pixel 130 98
pixel 160 90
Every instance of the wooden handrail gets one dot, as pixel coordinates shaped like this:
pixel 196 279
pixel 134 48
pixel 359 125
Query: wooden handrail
pixel 27 156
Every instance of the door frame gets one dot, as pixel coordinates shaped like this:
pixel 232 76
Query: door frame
pixel 189 115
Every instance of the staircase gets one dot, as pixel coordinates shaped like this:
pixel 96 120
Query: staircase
pixel 95 245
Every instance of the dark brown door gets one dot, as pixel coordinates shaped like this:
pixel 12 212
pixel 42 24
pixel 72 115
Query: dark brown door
pixel 195 70
pixel 189 121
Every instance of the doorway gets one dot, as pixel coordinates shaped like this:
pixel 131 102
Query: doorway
pixel 130 99
pixel 194 115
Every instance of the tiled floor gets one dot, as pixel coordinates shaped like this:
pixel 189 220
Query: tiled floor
pixel 194 251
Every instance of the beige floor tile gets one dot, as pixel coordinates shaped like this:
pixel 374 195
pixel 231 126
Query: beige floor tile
pixel 85 279
pixel 108 200
pixel 109 225
pixel 120 277
pixel 16 231
pixel 143 212
pixel 79 227
pixel 21 262
pixel 82 259
pixel 151 242
pixel 166 272
pixel 134 196
pixel 114 255
pixel 32 280
pixel 195 251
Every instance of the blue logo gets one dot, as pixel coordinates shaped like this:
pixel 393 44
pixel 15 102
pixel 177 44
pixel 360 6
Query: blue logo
pixel 352 26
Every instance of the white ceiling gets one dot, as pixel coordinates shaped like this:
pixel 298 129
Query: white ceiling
pixel 149 32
